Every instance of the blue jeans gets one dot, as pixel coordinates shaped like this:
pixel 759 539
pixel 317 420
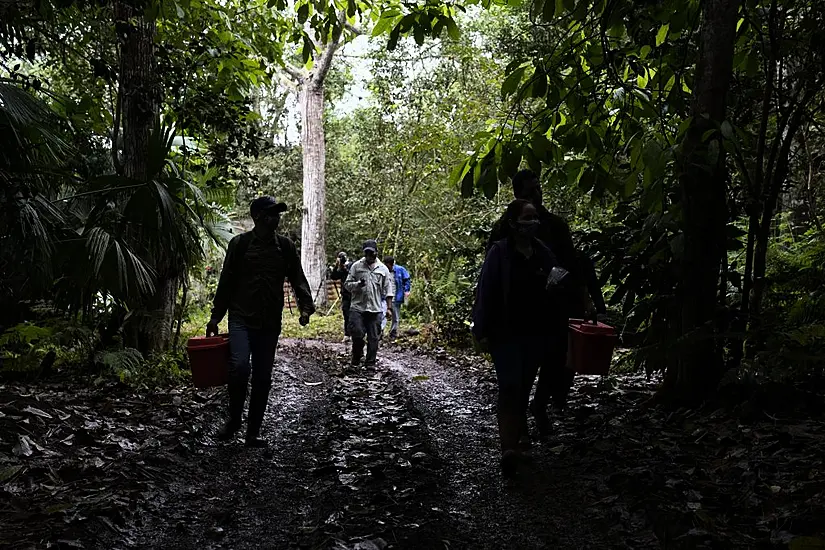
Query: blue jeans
pixel 516 361
pixel 260 344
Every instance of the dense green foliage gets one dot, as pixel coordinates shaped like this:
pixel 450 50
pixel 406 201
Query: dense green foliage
pixel 600 97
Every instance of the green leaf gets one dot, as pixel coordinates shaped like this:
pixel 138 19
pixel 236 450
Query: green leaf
pixel 539 88
pixel 661 36
pixel 512 81
pixel 452 29
pixel 645 51
pixel 307 49
pixel 727 130
pixel 569 5
pixel 383 25
pixel 303 13
pixel 418 33
pixel 510 160
pixel 541 146
pixel 394 35
pixel 548 10
pixel 458 172
pixel 467 183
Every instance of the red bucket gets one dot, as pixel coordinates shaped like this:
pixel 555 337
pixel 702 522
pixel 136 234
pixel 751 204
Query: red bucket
pixel 590 347
pixel 209 360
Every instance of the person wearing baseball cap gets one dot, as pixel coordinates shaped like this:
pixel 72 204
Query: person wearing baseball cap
pixel 371 286
pixel 250 289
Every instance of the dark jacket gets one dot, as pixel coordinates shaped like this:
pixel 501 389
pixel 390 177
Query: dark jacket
pixel 341 275
pixel 252 281
pixel 493 306
pixel 554 233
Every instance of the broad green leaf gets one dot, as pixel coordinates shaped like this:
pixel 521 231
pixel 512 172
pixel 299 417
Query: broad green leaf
pixel 661 36
pixel 394 35
pixel 727 130
pixel 452 29
pixel 303 13
pixel 645 51
pixel 383 25
pixel 539 88
pixel 549 10
pixel 512 81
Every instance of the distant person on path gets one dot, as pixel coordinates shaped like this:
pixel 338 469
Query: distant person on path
pixel 518 314
pixel 340 272
pixel 403 286
pixel 371 285
pixel 555 379
pixel 251 288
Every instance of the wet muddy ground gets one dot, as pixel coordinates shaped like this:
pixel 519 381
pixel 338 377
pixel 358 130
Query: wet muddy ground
pixel 401 456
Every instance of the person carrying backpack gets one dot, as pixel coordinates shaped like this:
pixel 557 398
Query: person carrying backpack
pixel 251 290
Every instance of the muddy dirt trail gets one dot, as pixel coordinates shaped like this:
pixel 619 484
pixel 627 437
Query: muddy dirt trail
pixel 404 455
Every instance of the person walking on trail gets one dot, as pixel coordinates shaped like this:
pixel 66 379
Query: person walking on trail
pixel 554 379
pixel 371 285
pixel 519 311
pixel 251 289
pixel 403 285
pixel 340 272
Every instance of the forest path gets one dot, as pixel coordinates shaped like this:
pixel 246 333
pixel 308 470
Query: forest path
pixel 405 454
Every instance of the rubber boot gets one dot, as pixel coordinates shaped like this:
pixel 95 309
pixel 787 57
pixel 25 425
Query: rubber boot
pixel 237 396
pixel 357 351
pixel 257 407
pixel 509 427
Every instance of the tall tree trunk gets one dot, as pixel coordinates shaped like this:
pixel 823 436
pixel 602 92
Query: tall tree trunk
pixel 140 101
pixel 313 224
pixel 703 182
pixel 137 83
pixel 313 230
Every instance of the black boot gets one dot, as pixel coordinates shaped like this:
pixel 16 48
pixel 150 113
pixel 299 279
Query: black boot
pixel 357 350
pixel 237 397
pixel 257 407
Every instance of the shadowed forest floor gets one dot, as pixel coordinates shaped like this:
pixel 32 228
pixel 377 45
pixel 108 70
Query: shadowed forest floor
pixel 403 456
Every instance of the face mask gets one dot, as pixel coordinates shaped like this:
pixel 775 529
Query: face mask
pixel 528 228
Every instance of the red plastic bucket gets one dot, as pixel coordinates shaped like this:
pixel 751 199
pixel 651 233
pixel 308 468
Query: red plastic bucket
pixel 590 347
pixel 209 360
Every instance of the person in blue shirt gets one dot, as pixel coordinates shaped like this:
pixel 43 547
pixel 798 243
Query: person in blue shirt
pixel 403 285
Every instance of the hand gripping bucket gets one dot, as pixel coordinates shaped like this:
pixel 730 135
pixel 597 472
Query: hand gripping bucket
pixel 209 360
pixel 590 347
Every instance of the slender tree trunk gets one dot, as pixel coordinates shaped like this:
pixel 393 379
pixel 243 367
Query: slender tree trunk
pixel 137 84
pixel 313 230
pixel 140 101
pixel 703 182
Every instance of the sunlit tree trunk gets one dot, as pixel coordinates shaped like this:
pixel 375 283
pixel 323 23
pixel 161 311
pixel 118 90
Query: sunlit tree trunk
pixel 313 226
pixel 703 183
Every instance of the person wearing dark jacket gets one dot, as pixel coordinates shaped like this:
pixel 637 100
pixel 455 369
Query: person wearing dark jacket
pixel 251 289
pixel 519 309
pixel 555 379
pixel 340 272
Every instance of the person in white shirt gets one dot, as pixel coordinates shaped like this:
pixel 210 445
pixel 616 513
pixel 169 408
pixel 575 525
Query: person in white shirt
pixel 371 285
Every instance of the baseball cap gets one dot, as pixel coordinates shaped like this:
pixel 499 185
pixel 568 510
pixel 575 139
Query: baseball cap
pixel 265 203
pixel 370 244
